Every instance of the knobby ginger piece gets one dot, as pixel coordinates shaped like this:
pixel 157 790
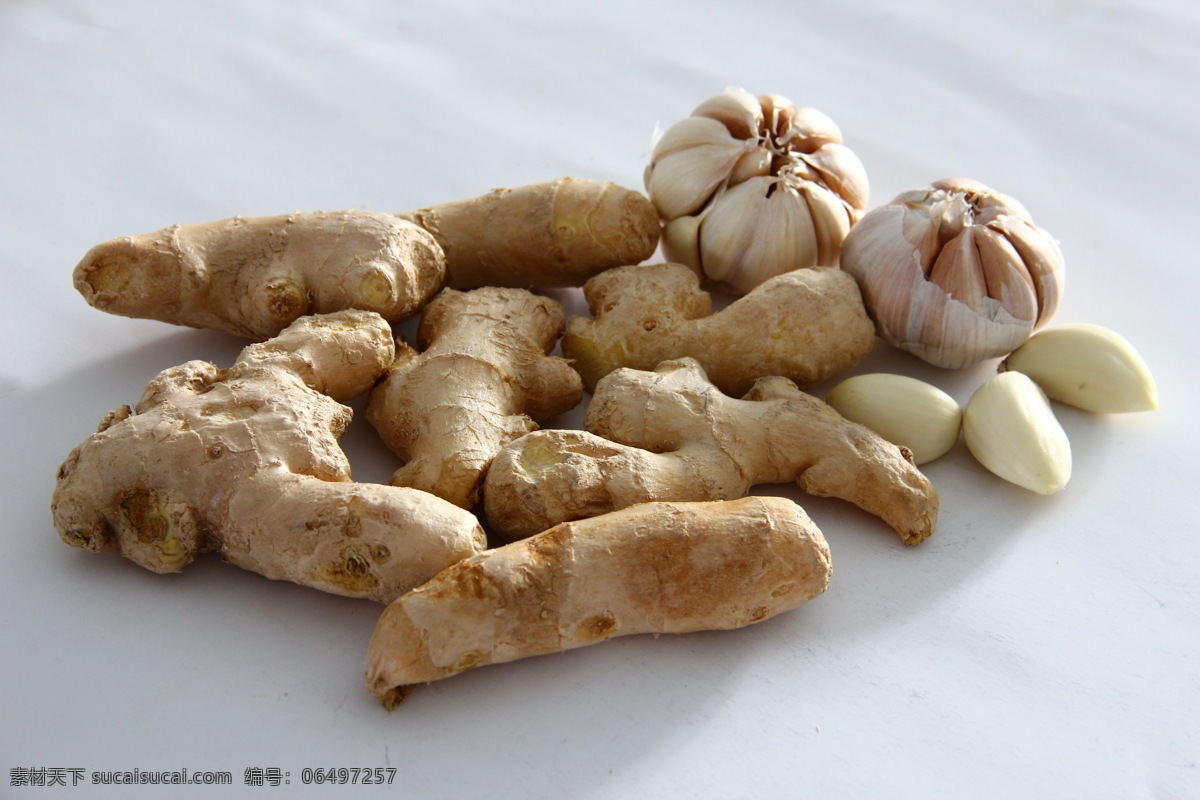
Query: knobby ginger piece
pixel 254 276
pixel 653 568
pixel 556 233
pixel 672 435
pixel 806 325
pixel 483 378
pixel 245 462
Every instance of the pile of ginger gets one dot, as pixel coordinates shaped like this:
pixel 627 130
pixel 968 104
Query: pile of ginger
pixel 496 539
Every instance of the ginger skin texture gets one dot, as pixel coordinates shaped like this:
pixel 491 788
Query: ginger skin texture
pixel 557 233
pixel 806 325
pixel 671 435
pixel 245 462
pixel 483 379
pixel 654 568
pixel 254 276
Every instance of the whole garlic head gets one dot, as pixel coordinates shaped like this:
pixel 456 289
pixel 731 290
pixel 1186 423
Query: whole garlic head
pixel 954 273
pixel 749 188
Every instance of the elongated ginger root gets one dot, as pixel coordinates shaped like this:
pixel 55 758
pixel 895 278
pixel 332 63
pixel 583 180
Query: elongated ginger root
pixel 654 568
pixel 254 276
pixel 483 379
pixel 671 435
pixel 805 325
pixel 244 461
pixel 558 233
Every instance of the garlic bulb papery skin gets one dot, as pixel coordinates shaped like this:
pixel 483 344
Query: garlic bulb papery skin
pixel 954 273
pixel 751 187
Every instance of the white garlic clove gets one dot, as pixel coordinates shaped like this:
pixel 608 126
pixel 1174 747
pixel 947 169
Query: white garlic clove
pixel 958 271
pixel 812 130
pixel 1041 256
pixel 954 273
pixel 749 168
pixel 1086 366
pixel 690 162
pixel 736 109
pixel 754 231
pixel 752 164
pixel 680 242
pixel 980 268
pixel 1010 428
pixel 691 133
pixel 839 169
pixel 907 412
pixel 922 227
pixel 1006 276
pixel 831 222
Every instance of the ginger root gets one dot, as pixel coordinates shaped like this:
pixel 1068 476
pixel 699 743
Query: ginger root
pixel 672 435
pixel 805 325
pixel 557 233
pixel 254 276
pixel 654 568
pixel 483 379
pixel 244 461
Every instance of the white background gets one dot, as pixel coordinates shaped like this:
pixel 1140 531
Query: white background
pixel 1034 647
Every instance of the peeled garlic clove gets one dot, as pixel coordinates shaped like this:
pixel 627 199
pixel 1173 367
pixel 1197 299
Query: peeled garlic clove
pixel 773 186
pixel 955 273
pixel 1009 426
pixel 905 411
pixel 1088 367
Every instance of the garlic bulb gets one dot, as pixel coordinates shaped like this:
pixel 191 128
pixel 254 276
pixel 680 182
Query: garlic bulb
pixel 749 188
pixel 954 273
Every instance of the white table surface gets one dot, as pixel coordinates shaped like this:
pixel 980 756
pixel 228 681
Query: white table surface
pixel 1035 647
